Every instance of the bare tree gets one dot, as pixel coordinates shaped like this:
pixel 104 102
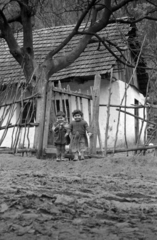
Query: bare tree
pixel 98 12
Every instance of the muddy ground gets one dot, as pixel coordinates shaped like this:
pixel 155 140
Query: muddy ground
pixel 113 198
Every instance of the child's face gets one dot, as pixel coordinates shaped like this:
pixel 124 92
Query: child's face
pixel 60 118
pixel 77 117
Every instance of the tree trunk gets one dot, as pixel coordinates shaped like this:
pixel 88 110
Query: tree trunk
pixel 42 84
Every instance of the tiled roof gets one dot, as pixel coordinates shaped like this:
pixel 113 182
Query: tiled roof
pixel 94 59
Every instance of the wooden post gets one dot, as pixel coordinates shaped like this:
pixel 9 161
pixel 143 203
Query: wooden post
pixel 108 112
pixel 95 113
pixel 65 106
pixel 89 109
pixel 76 100
pixel 125 126
pixel 60 97
pixel 47 115
pixel 81 104
pixel 70 104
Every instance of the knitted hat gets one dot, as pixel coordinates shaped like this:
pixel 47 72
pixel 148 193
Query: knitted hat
pixel 77 112
pixel 60 114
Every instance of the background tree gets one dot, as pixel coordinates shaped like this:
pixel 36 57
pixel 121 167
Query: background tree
pixel 30 13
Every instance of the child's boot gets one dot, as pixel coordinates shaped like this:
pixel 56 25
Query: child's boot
pixel 82 156
pixel 76 157
pixel 58 158
pixel 62 157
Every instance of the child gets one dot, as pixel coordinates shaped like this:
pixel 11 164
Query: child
pixel 60 135
pixel 78 129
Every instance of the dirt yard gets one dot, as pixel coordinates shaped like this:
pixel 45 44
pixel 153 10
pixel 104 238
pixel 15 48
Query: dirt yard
pixel 96 199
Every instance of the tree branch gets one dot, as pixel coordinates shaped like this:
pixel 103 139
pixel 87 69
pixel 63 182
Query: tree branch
pixel 60 63
pixel 27 27
pixel 8 35
pixel 120 5
pixel 72 34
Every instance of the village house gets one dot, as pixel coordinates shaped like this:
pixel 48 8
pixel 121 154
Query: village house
pixel 121 84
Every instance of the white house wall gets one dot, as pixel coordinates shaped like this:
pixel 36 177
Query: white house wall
pixel 132 94
pixel 118 88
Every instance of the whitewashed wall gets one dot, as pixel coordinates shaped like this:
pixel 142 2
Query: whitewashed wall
pixel 118 89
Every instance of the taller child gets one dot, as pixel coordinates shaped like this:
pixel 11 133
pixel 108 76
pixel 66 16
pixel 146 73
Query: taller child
pixel 79 129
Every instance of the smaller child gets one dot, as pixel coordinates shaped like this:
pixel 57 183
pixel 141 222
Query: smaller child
pixel 78 129
pixel 60 135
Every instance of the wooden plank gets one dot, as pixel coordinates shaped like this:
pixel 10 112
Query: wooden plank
pixel 136 117
pixel 77 94
pixel 61 101
pixel 89 111
pixel 121 106
pixel 95 113
pixel 70 103
pixel 144 148
pixel 99 138
pixel 108 112
pixel 60 97
pixel 76 101
pixel 55 103
pixel 65 106
pixel 47 115
pixel 81 103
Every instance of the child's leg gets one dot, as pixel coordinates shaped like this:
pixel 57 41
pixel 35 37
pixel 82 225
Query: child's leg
pixel 62 151
pixel 76 156
pixel 82 148
pixel 82 155
pixel 58 148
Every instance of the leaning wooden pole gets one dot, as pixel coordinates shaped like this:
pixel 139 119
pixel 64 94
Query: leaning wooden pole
pixel 144 115
pixel 131 78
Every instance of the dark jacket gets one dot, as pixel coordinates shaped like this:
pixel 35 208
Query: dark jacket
pixel 60 129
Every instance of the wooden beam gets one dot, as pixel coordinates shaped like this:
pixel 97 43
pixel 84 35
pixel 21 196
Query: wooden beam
pixel 131 149
pixel 20 125
pixel 121 106
pixel 77 94
pixel 136 116
pixel 22 100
